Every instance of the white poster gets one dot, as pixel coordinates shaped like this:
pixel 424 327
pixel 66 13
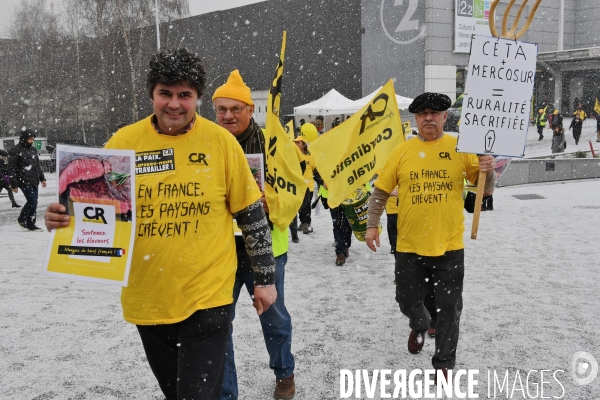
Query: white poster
pixel 497 100
pixel 470 18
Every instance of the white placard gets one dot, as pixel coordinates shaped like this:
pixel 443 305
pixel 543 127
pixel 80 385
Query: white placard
pixel 496 105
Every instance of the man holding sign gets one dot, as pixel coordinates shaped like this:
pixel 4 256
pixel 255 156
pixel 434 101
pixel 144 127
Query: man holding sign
pixel 429 174
pixel 179 293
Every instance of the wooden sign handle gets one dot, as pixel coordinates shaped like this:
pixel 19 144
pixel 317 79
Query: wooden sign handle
pixel 478 200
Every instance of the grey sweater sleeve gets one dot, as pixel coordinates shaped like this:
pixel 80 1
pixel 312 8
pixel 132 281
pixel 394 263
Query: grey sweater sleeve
pixel 377 203
pixel 257 240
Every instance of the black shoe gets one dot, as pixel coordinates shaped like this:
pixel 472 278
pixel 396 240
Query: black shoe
pixel 295 239
pixel 541 137
pixel 34 228
pixel 15 205
pixel 23 226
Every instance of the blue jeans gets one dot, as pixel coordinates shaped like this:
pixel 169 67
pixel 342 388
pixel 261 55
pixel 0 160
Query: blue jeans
pixel 28 212
pixel 276 326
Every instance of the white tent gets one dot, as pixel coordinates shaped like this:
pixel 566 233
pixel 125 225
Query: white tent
pixel 333 105
pixel 403 103
pixel 326 106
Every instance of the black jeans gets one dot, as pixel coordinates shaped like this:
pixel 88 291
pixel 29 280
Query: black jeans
pixel 414 275
pixel 305 209
pixel 392 228
pixel 342 231
pixel 188 357
pixel 28 214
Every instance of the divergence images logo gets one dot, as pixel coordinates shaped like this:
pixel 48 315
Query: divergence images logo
pixel 401 20
pixel 584 368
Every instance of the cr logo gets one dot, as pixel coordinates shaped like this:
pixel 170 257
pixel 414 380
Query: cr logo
pixel 406 23
pixel 94 213
pixel 198 158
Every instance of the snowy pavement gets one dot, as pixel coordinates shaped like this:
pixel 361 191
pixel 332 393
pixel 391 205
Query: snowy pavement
pixel 531 297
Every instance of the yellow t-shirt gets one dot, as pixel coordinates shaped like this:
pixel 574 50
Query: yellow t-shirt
pixel 391 207
pixel 430 179
pixel 187 188
pixel 308 172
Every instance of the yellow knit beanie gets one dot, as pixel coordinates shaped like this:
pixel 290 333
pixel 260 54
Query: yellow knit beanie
pixel 234 88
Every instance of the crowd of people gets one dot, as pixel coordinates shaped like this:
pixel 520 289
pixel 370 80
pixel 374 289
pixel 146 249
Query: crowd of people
pixel 185 314
pixel 554 121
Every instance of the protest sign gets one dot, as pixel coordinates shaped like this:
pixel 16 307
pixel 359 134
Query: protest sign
pixel 496 104
pixel 96 187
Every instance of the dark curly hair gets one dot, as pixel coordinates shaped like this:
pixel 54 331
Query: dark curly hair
pixel 172 66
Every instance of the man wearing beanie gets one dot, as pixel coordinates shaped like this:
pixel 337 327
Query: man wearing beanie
pixel 25 172
pixel 234 107
pixel 429 174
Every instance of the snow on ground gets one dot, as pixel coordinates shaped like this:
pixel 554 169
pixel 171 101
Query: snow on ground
pixel 531 295
pixel 542 148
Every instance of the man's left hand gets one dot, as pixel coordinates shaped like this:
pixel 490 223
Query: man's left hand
pixel 264 297
pixel 487 164
pixel 43 183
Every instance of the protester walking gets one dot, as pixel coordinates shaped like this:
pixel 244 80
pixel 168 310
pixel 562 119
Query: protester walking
pixel 540 121
pixel 430 234
pixel 25 173
pixel 234 109
pixel 576 125
pixel 559 143
pixel 180 287
pixel 5 180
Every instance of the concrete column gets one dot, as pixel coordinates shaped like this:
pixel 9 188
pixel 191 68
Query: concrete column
pixel 558 84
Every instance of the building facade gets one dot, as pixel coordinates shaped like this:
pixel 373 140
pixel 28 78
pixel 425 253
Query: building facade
pixel 355 46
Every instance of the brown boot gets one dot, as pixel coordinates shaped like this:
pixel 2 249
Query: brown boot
pixel 285 388
pixel 340 259
pixel 416 341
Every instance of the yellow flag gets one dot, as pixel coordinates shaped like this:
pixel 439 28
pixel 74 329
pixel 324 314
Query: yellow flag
pixel 285 186
pixel 289 129
pixel 348 155
pixel 597 106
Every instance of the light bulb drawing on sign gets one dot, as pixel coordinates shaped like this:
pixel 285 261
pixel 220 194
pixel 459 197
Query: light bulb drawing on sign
pixel 402 27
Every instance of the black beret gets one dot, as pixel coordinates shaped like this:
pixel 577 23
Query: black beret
pixel 435 101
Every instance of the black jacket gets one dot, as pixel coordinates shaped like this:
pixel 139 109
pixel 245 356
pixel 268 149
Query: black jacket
pixel 24 164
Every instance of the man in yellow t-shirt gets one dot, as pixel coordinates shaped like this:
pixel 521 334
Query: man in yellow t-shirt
pixel 180 286
pixel 234 108
pixel 429 174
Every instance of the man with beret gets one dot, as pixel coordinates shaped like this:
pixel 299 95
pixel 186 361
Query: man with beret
pixel 234 107
pixel 429 174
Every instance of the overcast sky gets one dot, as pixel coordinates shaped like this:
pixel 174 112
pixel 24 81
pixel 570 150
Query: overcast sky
pixel 196 7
